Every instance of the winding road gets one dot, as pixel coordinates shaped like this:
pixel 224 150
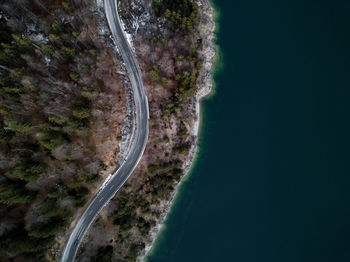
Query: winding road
pixel 138 143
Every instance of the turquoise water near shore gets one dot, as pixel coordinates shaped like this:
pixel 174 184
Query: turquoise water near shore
pixel 272 177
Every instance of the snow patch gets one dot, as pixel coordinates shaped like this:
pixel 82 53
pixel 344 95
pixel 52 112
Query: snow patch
pixel 42 38
pixel 106 182
pixel 99 3
pixel 128 35
pixel 47 60
pixel 31 28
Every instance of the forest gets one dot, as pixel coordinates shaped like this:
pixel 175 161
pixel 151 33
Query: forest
pixel 53 93
pixel 48 90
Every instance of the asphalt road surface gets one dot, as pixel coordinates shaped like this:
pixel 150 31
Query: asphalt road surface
pixel 138 143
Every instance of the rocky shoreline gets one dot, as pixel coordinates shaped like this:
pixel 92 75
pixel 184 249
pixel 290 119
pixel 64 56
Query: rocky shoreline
pixel 205 87
pixel 206 32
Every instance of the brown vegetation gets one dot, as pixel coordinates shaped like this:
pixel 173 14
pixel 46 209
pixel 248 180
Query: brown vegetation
pixel 168 55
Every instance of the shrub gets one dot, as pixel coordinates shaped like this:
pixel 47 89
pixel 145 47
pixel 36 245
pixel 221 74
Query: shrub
pixel 81 113
pixel 75 184
pixel 69 53
pixel 183 149
pixel 54 211
pixel 50 127
pixel 54 38
pixel 90 179
pixel 52 143
pixel 49 50
pixel 46 229
pixel 28 170
pixel 5 110
pixel 83 132
pixel 87 94
pixel 15 193
pixel 75 77
pixel 152 168
pixel 46 204
pixel 57 27
pixel 6 135
pixel 180 58
pixel 12 90
pixel 164 42
pixel 55 193
pixel 67 7
pixel 69 158
pixel 18 126
pixel 75 124
pixel 23 42
pixel 18 242
pixel 165 81
pixel 58 119
pixel 79 196
pixel 104 254
pixel 5 57
pixel 165 139
pixel 154 73
pixel 93 52
pixel 20 73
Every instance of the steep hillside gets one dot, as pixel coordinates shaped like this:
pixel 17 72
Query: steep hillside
pixel 62 109
pixel 173 45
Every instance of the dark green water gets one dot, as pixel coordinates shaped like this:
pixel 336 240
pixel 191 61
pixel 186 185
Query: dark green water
pixel 272 179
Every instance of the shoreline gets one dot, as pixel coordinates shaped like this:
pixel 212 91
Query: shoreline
pixel 206 83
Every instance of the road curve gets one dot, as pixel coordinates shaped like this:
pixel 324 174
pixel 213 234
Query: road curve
pixel 138 143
